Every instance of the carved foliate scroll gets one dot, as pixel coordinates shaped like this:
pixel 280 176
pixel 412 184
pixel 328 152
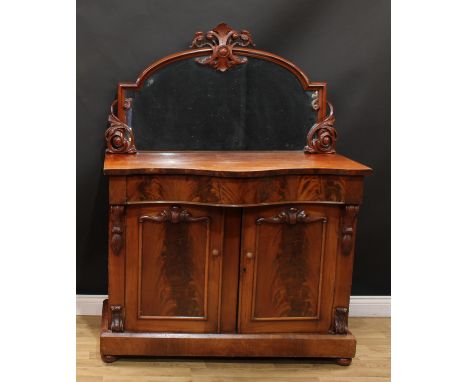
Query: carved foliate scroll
pixel 222 40
pixel 119 136
pixel 340 321
pixel 117 324
pixel 117 228
pixel 173 215
pixel 321 138
pixel 347 230
pixel 291 216
pixel 315 104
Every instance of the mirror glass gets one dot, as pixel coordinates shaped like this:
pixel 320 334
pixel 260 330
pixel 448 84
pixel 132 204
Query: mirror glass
pixel 188 106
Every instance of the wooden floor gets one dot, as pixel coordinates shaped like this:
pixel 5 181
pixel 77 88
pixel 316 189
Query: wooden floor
pixel 372 361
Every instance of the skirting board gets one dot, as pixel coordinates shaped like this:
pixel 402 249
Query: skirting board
pixel 360 306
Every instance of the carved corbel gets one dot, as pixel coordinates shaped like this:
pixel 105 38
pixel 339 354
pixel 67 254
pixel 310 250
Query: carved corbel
pixel 222 40
pixel 173 215
pixel 291 216
pixel 117 228
pixel 119 136
pixel 117 324
pixel 321 138
pixel 347 230
pixel 340 321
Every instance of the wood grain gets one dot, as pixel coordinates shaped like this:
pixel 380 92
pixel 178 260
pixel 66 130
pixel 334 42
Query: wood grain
pixel 232 163
pixel 172 277
pixel 286 283
pixel 117 189
pixel 236 192
pixel 173 272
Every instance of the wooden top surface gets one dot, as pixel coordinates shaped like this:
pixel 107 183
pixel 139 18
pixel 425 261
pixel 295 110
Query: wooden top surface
pixel 231 163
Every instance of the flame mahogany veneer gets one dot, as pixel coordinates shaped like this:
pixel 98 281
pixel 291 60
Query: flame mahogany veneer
pixel 229 253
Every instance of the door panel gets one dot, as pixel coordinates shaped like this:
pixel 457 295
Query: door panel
pixel 173 268
pixel 287 264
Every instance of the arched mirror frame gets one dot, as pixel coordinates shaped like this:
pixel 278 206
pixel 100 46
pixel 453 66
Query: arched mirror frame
pixel 226 48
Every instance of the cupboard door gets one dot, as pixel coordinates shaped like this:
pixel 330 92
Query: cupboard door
pixel 173 268
pixel 288 263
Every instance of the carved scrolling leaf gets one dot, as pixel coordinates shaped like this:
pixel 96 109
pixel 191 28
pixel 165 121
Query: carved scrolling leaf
pixel 119 136
pixel 321 138
pixel 222 40
pixel 291 216
pixel 173 215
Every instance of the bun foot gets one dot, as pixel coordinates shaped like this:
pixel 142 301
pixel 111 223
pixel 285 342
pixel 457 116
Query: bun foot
pixel 108 358
pixel 343 361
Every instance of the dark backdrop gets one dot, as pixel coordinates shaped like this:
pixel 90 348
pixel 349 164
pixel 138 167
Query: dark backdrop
pixel 344 43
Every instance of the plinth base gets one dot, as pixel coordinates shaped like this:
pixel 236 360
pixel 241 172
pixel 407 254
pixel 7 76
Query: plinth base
pixel 340 347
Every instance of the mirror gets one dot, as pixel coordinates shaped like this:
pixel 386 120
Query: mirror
pixel 186 106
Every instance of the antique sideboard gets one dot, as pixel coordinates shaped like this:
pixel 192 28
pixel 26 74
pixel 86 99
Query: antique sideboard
pixel 228 237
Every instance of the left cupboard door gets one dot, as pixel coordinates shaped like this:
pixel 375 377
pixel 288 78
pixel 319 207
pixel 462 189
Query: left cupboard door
pixel 173 268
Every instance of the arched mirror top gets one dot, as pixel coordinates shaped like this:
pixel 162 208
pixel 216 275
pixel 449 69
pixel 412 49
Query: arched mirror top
pixel 221 95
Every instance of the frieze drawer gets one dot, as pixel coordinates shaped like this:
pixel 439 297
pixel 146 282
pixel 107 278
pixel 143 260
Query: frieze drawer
pixel 243 191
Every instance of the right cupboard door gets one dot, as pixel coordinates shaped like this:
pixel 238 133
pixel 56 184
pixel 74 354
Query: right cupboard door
pixel 288 263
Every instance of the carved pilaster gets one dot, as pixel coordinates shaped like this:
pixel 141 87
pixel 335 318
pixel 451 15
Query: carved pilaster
pixel 340 321
pixel 347 230
pixel 117 228
pixel 117 324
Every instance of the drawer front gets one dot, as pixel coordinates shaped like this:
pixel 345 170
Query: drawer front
pixel 243 191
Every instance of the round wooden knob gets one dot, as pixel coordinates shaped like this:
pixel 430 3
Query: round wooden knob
pixel 249 255
pixel 215 252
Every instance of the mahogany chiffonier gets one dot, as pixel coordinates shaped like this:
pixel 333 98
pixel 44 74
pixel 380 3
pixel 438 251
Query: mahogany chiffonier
pixel 228 237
